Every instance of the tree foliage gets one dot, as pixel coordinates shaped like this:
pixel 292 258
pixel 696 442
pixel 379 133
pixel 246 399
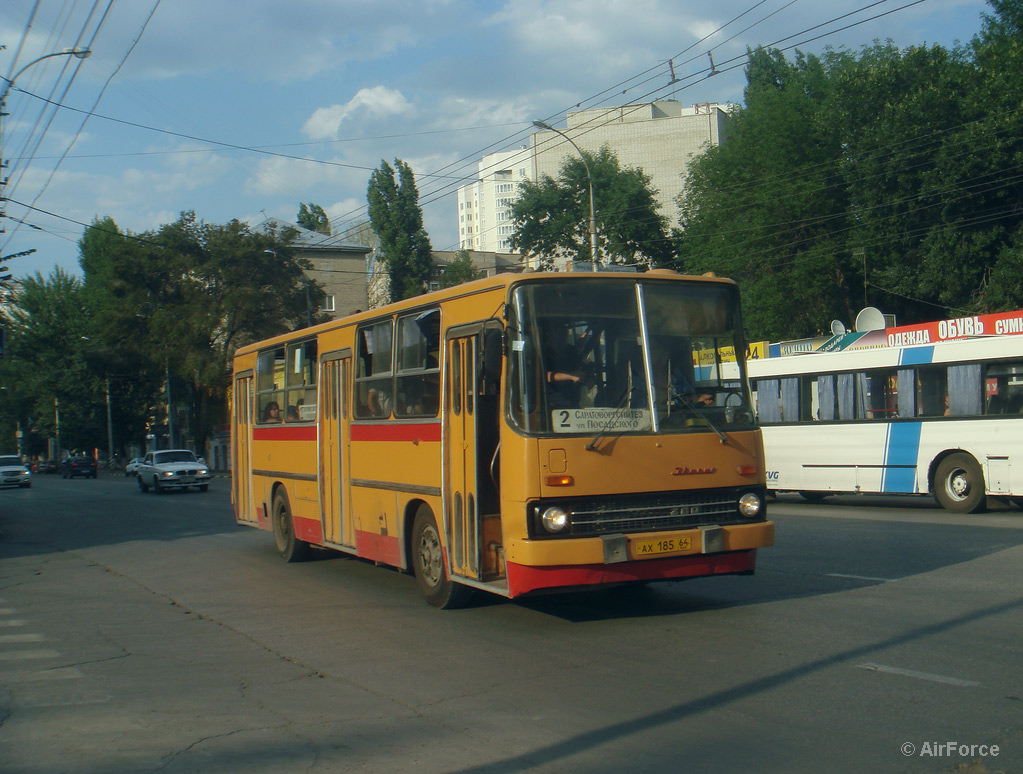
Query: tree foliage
pixel 44 372
pixel 552 217
pixel 460 270
pixel 170 304
pixel 881 178
pixel 397 220
pixel 313 217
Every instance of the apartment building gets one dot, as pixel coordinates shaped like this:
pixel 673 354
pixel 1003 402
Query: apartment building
pixel 484 206
pixel 661 138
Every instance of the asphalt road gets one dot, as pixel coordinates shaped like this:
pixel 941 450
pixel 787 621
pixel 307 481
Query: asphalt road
pixel 148 633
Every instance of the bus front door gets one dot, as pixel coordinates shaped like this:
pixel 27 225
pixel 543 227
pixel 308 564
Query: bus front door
pixel 241 462
pixel 333 452
pixel 461 464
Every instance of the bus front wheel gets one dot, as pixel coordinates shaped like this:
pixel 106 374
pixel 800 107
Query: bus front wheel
pixel 429 566
pixel 289 547
pixel 959 484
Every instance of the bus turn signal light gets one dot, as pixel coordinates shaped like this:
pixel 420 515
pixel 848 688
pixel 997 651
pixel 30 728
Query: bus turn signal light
pixel 747 470
pixel 560 480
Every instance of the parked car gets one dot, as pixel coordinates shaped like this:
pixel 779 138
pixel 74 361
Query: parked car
pixel 132 468
pixel 173 469
pixel 13 471
pixel 78 466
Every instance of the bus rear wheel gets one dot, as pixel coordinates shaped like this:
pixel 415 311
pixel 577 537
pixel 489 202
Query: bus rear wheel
pixel 429 566
pixel 959 484
pixel 289 547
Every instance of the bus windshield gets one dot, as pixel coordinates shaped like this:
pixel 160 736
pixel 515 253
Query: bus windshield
pixel 603 356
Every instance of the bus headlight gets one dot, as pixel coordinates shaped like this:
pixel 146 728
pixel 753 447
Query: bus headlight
pixel 555 519
pixel 749 505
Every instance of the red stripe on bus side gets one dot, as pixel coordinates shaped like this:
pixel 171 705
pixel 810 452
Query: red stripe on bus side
pixel 379 548
pixel 285 433
pixel 309 530
pixel 394 431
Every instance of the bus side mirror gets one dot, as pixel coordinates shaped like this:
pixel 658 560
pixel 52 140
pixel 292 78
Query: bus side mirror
pixel 493 354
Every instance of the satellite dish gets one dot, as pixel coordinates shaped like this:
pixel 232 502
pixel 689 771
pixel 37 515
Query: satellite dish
pixel 870 319
pixel 837 328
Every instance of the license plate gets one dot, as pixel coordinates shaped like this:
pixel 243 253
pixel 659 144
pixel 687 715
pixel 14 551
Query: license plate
pixel 656 546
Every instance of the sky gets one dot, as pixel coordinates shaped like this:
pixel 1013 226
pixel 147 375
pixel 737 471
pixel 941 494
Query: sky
pixel 246 110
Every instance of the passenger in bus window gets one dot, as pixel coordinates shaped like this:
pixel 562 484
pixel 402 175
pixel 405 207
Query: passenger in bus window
pixel 566 373
pixel 292 415
pixel 272 412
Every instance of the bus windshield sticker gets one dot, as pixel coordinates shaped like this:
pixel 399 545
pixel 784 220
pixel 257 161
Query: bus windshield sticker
pixel 594 420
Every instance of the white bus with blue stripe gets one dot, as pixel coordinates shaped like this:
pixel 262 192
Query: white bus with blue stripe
pixel 943 419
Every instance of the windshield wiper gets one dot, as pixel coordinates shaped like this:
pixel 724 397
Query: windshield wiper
pixel 592 445
pixel 699 414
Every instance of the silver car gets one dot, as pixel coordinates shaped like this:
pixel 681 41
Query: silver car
pixel 13 472
pixel 132 468
pixel 173 469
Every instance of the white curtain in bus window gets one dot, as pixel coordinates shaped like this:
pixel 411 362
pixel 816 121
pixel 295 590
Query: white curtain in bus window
pixel 847 402
pixel 907 392
pixel 790 399
pixel 826 398
pixel 768 401
pixel 965 393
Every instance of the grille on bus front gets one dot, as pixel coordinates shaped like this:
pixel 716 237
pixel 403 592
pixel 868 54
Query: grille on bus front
pixel 646 513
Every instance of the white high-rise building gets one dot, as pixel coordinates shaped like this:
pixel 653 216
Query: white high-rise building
pixel 484 207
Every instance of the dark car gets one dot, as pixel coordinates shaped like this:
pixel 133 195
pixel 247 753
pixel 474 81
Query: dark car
pixel 50 466
pixel 78 466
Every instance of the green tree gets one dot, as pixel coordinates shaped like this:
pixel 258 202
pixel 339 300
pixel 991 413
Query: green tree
pixel 176 302
pixel 44 369
pixel 881 177
pixel 460 270
pixel 552 217
pixel 397 220
pixel 312 217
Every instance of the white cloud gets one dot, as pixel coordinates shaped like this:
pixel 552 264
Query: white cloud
pixel 377 102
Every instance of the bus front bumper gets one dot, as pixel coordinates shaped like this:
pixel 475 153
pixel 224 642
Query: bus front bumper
pixel 708 550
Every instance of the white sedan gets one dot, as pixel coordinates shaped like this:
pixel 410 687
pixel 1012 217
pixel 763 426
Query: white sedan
pixel 173 469
pixel 132 468
pixel 13 472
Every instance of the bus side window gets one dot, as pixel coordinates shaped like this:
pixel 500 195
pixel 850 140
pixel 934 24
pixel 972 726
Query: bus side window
pixel 931 392
pixel 373 387
pixel 965 390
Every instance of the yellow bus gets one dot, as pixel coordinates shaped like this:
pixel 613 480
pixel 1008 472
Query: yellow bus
pixel 516 434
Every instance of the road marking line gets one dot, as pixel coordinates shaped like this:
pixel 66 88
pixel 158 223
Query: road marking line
pixel 21 655
pixel 46 675
pixel 7 638
pixel 13 622
pixel 8 611
pixel 860 577
pixel 920 675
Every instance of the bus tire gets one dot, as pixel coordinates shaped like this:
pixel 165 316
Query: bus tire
pixel 429 566
pixel 959 484
pixel 289 547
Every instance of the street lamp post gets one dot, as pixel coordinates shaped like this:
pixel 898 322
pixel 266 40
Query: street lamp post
pixel 77 53
pixel 589 179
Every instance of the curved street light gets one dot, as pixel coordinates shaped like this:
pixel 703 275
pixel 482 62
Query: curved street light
pixel 589 179
pixel 77 53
